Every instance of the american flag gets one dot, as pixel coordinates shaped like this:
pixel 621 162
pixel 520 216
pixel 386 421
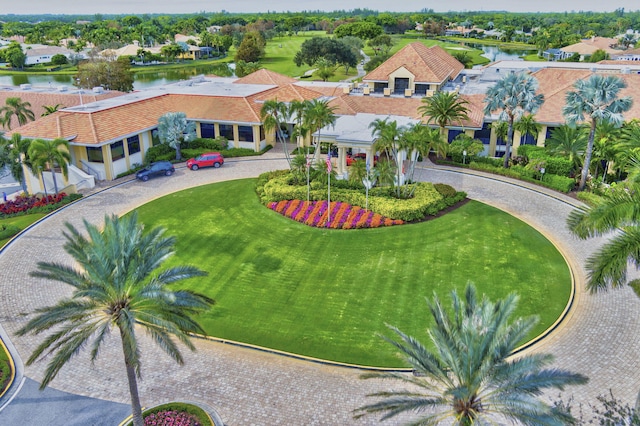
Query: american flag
pixel 329 162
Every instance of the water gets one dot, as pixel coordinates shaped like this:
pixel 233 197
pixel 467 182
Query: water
pixel 497 53
pixel 141 80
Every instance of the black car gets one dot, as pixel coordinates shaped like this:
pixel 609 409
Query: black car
pixel 159 168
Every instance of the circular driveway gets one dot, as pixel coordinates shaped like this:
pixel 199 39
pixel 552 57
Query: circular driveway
pixel 598 338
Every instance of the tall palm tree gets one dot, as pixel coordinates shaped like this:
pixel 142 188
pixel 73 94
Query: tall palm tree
pixel 272 113
pixel 618 213
pixel 116 285
pixel 318 114
pixel 513 95
pixel 387 134
pixel 444 108
pixel 50 153
pixel 470 377
pixel 417 140
pixel 568 141
pixel 15 107
pixel 596 100
pixel 527 125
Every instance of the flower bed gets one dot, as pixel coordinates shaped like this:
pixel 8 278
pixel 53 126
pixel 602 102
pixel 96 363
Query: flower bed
pixel 337 215
pixel 171 418
pixel 35 204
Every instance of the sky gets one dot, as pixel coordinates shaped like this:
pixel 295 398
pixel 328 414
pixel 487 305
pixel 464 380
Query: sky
pixel 192 6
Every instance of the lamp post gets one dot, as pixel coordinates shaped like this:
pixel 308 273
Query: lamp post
pixel 464 157
pixel 542 170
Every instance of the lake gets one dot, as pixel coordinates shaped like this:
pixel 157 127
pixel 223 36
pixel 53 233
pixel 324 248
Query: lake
pixel 140 80
pixel 496 53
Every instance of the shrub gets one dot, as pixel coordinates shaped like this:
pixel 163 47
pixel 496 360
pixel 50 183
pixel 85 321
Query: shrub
pixel 160 152
pixel 463 143
pixel 589 198
pixel 175 414
pixel 558 183
pixel 445 190
pixel 208 144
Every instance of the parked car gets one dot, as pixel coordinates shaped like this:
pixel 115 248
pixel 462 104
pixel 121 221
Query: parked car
pixel 360 156
pixel 208 159
pixel 159 168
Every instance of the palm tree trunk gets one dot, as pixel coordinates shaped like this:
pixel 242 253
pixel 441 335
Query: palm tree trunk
pixel 507 152
pixel 44 184
pixel 587 157
pixel 136 408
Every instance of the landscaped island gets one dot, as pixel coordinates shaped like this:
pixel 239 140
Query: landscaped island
pixel 327 293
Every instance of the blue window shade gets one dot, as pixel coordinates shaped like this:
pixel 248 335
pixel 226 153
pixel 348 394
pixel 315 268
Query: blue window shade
pixel 207 130
pixel 453 134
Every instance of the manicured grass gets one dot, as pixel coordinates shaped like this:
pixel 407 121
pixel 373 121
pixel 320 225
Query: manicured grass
pixel 328 293
pixel 21 222
pixel 5 370
pixel 280 51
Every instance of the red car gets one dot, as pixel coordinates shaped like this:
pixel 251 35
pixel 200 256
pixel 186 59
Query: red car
pixel 360 156
pixel 208 159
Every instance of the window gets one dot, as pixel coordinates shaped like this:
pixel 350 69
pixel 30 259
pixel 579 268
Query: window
pixel 379 87
pixel 485 134
pixel 245 133
pixel 133 144
pixel 226 131
pixel 94 154
pixel 452 134
pixel 527 140
pixel 421 89
pixel 117 151
pixel 261 133
pixel 206 130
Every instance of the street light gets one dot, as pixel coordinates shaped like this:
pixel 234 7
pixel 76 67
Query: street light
pixel 542 170
pixel 464 156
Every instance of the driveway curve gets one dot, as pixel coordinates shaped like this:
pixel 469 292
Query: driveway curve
pixel 248 387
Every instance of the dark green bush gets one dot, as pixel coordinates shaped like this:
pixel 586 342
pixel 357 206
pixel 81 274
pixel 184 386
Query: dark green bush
pixel 558 183
pixel 445 190
pixel 208 144
pixel 553 165
pixel 159 152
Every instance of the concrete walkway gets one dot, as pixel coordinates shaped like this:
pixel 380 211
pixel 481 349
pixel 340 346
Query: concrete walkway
pixel 247 387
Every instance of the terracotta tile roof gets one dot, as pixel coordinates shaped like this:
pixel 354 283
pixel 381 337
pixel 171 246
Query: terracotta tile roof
pixel 114 123
pixel 555 83
pixel 588 46
pixel 39 99
pixel 427 64
pixel 289 93
pixel 408 107
pixel 264 76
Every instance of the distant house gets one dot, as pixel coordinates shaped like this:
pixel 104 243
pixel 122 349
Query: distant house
pixel 42 54
pixel 587 47
pixel 552 54
pixel 627 55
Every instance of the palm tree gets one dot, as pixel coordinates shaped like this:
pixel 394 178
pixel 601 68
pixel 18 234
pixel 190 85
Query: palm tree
pixel 45 153
pixel 471 376
pixel 513 95
pixel 15 107
pixel 50 109
pixel 116 285
pixel 318 114
pixel 417 140
pixel 272 113
pixel 595 99
pixel 569 142
pixel 445 108
pixel 527 125
pixel 387 134
pixel 618 213
pixel 19 157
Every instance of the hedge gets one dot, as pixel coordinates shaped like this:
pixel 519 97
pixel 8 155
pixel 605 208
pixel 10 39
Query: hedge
pixel 555 182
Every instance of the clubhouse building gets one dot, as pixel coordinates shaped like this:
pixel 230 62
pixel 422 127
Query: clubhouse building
pixel 111 134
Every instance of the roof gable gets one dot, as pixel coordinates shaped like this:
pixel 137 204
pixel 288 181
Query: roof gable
pixel 264 76
pixel 427 64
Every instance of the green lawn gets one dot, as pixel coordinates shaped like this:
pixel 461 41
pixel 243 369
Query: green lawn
pixel 21 222
pixel 327 293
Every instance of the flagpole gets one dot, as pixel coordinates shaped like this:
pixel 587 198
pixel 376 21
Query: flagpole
pixel 328 188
